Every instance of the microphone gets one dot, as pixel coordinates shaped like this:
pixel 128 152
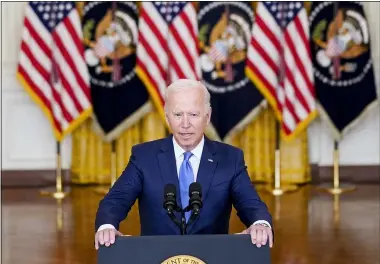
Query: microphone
pixel 170 201
pixel 170 204
pixel 195 202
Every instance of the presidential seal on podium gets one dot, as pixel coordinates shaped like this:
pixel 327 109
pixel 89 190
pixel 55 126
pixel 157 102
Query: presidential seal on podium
pixel 183 259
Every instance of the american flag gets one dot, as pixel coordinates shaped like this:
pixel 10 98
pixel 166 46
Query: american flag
pixel 51 65
pixel 279 63
pixel 168 46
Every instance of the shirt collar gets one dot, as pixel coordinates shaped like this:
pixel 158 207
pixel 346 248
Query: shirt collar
pixel 197 151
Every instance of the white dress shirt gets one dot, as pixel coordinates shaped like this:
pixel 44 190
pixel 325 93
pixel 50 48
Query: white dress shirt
pixel 195 160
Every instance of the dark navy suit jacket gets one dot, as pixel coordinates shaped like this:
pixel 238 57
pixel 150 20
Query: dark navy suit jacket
pixel 222 175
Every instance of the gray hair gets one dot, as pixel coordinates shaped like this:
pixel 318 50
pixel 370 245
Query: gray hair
pixel 186 83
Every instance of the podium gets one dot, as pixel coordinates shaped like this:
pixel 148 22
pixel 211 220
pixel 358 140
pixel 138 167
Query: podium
pixel 190 249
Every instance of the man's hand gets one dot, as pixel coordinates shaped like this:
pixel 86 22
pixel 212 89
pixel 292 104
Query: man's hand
pixel 260 234
pixel 106 237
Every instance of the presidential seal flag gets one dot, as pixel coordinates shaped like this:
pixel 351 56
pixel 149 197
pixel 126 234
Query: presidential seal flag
pixel 224 35
pixel 344 77
pixel 119 97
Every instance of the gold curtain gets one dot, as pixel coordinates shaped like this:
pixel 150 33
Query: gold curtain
pixel 258 141
pixel 91 157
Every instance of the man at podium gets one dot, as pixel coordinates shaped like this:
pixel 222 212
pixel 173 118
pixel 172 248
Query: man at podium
pixel 186 156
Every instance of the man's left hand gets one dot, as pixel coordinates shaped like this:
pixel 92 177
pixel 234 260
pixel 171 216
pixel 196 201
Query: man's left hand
pixel 260 234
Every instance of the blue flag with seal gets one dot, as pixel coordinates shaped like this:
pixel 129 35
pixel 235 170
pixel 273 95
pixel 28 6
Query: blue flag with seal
pixel 344 76
pixel 224 34
pixel 119 97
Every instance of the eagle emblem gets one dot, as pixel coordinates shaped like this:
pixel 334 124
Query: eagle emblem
pixel 342 38
pixel 110 38
pixel 224 35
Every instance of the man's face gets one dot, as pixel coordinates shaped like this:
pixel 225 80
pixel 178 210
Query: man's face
pixel 187 116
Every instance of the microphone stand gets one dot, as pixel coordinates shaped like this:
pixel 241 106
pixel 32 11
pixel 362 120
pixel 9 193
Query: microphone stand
pixel 192 218
pixel 174 219
pixel 183 223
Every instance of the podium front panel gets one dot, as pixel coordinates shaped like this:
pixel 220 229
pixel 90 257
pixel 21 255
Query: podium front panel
pixel 191 249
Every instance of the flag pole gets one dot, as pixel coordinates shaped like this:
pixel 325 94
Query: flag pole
pixel 59 192
pixel 336 188
pixel 277 189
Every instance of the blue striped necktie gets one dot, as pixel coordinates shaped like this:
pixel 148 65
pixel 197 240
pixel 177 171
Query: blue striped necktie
pixel 186 177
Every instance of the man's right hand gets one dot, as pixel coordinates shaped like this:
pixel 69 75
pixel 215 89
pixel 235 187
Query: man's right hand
pixel 106 237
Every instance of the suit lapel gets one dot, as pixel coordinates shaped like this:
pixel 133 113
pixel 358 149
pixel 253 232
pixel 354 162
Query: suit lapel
pixel 167 163
pixel 168 168
pixel 207 167
pixel 206 171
